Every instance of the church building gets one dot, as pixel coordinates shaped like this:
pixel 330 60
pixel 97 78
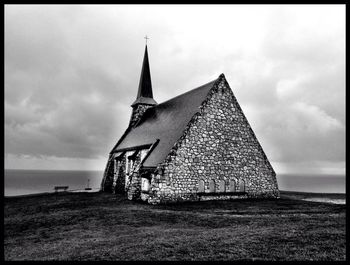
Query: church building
pixel 196 146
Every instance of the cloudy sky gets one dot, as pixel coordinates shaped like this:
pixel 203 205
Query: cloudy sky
pixel 72 72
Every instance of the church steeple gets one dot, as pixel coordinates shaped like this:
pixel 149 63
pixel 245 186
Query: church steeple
pixel 145 94
pixel 144 99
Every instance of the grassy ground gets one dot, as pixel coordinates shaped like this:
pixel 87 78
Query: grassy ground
pixel 100 226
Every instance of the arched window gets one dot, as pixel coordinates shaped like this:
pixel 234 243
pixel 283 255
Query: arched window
pixel 212 186
pixel 232 185
pixel 222 186
pixel 241 185
pixel 201 186
pixel 168 178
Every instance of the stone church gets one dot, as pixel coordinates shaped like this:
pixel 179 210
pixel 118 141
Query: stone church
pixel 195 146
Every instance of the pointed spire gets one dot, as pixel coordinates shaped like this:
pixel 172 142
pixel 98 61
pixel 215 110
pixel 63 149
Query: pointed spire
pixel 145 94
pixel 145 85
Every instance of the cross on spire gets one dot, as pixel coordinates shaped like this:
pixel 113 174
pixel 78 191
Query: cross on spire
pixel 146 38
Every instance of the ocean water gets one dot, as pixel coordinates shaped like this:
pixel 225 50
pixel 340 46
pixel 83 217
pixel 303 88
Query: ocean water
pixel 312 183
pixel 21 182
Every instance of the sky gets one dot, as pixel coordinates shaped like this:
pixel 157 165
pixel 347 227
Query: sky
pixel 72 72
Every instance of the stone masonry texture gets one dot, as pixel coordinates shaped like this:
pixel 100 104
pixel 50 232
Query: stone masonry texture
pixel 137 113
pixel 218 144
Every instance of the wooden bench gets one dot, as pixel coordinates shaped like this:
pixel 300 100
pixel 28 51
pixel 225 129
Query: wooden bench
pixel 64 188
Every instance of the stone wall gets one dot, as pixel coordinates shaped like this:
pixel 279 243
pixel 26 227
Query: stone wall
pixel 134 188
pixel 119 181
pixel 218 144
pixel 137 112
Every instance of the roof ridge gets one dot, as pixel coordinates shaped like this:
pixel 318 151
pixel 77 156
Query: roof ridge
pixel 187 92
pixel 183 94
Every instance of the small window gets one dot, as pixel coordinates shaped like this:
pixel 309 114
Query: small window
pixel 167 178
pixel 201 186
pixel 232 185
pixel 241 186
pixel 212 186
pixel 145 184
pixel 222 186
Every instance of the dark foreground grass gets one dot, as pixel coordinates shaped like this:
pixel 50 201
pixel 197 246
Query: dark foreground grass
pixel 101 226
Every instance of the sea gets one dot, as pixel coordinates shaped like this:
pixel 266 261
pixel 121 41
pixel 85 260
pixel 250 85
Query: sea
pixel 23 182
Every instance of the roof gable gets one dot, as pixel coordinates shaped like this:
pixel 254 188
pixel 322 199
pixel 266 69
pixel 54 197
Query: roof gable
pixel 166 122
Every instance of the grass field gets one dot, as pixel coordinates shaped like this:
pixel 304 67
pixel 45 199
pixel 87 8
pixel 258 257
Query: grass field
pixel 101 226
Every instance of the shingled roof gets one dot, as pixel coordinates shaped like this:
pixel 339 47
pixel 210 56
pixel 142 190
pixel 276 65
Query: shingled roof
pixel 166 122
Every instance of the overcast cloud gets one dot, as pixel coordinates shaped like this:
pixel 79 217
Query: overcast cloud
pixel 71 73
